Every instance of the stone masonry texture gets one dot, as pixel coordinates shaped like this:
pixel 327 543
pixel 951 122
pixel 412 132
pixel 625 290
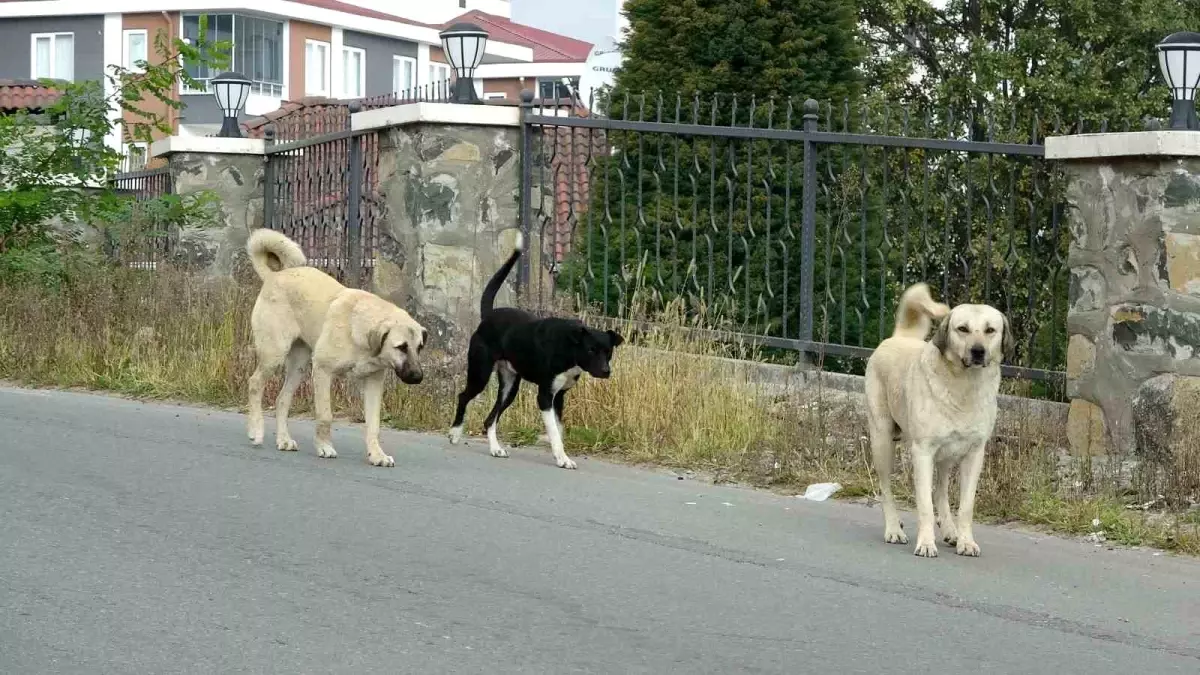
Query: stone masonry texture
pixel 1134 312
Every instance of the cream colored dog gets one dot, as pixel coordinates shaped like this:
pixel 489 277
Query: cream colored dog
pixel 939 399
pixel 303 315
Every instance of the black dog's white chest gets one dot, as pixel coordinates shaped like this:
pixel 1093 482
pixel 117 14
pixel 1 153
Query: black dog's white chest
pixel 566 380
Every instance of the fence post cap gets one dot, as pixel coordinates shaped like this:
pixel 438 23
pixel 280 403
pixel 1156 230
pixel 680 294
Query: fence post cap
pixel 526 96
pixel 355 106
pixel 811 106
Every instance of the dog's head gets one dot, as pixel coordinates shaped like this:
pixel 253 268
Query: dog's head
pixel 593 349
pixel 398 342
pixel 974 336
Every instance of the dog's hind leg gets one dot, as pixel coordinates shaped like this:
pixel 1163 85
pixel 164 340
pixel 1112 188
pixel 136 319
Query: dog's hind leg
pixel 268 363
pixel 508 384
pixel 883 451
pixel 945 517
pixel 479 371
pixel 550 419
pixel 296 363
pixel 322 380
pixel 372 393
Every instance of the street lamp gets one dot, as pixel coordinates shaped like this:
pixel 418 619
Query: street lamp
pixel 463 45
pixel 231 91
pixel 1179 59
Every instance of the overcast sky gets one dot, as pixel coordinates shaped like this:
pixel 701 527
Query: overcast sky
pixel 589 20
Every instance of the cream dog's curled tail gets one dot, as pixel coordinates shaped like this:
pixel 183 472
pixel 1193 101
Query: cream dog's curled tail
pixel 272 251
pixel 917 312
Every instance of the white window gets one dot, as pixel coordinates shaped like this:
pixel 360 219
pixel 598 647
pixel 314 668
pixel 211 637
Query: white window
pixel 52 55
pixel 404 75
pixel 495 96
pixel 354 72
pixel 438 73
pixel 136 48
pixel 136 156
pixel 316 68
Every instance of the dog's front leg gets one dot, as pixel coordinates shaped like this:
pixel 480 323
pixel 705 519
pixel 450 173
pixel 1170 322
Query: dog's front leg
pixel 945 517
pixel 322 380
pixel 968 478
pixel 372 396
pixel 550 419
pixel 922 463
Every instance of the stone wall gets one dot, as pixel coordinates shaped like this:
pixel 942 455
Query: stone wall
pixel 451 195
pixel 238 181
pixel 1134 318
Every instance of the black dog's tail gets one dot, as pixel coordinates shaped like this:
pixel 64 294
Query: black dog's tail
pixel 497 280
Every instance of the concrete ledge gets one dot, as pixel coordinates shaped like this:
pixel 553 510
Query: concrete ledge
pixel 1165 143
pixel 208 145
pixel 436 113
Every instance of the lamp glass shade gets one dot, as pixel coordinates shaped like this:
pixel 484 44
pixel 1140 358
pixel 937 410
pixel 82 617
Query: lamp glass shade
pixel 1179 59
pixel 464 44
pixel 231 91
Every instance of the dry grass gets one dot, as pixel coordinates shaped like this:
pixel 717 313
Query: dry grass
pixel 166 335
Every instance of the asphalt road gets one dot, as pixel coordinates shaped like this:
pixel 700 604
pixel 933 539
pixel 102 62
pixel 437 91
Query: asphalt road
pixel 145 538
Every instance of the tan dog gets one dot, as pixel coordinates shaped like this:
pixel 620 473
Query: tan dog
pixel 303 314
pixel 939 399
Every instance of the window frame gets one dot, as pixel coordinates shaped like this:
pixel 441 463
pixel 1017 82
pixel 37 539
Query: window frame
pixel 258 87
pixel 328 79
pixel 398 63
pixel 126 61
pixel 362 72
pixel 435 65
pixel 53 37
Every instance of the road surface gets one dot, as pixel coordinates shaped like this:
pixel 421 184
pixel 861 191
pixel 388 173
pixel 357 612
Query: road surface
pixel 147 538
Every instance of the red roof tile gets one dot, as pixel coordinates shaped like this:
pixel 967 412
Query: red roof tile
pixel 25 95
pixel 348 8
pixel 546 46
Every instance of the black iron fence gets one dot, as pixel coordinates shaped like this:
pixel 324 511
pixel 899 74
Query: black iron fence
pixel 796 225
pixel 146 238
pixel 322 191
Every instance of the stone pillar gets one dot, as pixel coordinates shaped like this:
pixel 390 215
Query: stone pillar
pixel 230 168
pixel 451 196
pixel 1133 360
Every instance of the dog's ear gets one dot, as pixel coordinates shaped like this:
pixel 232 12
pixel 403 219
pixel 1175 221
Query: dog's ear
pixel 424 338
pixel 375 339
pixel 615 338
pixel 941 334
pixel 1008 341
pixel 580 334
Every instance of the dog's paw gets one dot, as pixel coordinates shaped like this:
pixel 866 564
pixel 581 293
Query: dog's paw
pixel 926 549
pixel 565 462
pixel 326 452
pixel 456 435
pixel 498 451
pixel 895 536
pixel 286 444
pixel 380 459
pixel 967 547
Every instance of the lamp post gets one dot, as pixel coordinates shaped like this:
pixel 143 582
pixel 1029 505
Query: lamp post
pixel 1179 59
pixel 231 91
pixel 463 45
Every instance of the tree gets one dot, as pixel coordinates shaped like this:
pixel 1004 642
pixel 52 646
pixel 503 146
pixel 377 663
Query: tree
pixel 779 48
pixel 699 218
pixel 56 164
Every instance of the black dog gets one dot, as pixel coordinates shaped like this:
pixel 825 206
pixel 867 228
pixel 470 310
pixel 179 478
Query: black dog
pixel 550 353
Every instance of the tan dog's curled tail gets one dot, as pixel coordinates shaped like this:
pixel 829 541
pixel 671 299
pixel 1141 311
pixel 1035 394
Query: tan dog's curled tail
pixel 917 312
pixel 272 251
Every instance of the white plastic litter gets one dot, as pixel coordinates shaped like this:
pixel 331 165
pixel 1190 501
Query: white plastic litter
pixel 819 492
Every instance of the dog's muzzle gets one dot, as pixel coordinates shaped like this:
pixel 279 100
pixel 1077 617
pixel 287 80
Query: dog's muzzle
pixel 410 376
pixel 978 356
